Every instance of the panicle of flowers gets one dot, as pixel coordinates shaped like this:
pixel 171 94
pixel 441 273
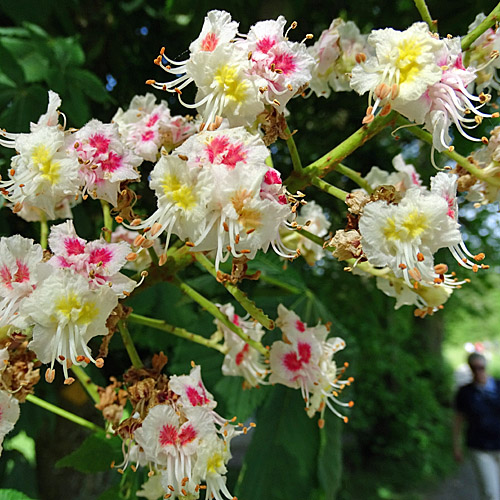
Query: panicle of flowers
pixel 404 232
pixel 146 127
pixel 336 52
pixel 237 77
pixel 483 56
pixel 304 360
pixel 42 175
pixel 422 77
pixel 216 192
pixel 241 360
pixel 180 437
pixel 104 160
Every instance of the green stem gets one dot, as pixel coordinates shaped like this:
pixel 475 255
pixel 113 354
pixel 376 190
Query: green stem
pixel 159 324
pixel 328 162
pixel 426 15
pixel 247 304
pixel 354 176
pixel 216 313
pixel 108 220
pixel 292 148
pixel 86 382
pixel 329 188
pixel 44 231
pixel 310 236
pixel 490 20
pixel 458 158
pixel 129 345
pixel 63 413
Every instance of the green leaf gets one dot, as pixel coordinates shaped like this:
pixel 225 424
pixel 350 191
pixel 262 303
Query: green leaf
pixel 285 440
pixel 13 495
pixel 90 84
pixel 330 457
pixel 238 401
pixel 10 67
pixel 94 455
pixel 27 105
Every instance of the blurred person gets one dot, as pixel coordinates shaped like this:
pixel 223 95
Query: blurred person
pixel 478 406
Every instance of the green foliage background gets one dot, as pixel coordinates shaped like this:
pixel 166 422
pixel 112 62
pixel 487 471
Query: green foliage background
pixel 398 433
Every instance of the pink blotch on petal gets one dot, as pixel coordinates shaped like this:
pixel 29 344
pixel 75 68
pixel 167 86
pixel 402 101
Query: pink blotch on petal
pixel 188 434
pixel 285 62
pixel 304 352
pixel 113 162
pixel 152 120
pixel 104 255
pixel 73 246
pixel 100 142
pixel 234 155
pixel 300 326
pixel 292 362
pixel 272 177
pixel 147 136
pixel 5 276
pixel 209 43
pixel 195 398
pixel 236 319
pixel 216 147
pixel 241 355
pixel 266 44
pixel 168 435
pixel 22 273
pixel 282 199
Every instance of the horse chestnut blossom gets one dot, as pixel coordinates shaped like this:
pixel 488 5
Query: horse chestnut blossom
pixel 104 160
pixel 146 127
pixel 217 192
pixel 405 236
pixel 9 414
pixel 335 57
pixel 241 359
pixel 236 77
pixel 65 314
pixel 404 177
pixel 98 261
pixel 185 442
pixel 21 270
pixel 42 175
pixel 304 360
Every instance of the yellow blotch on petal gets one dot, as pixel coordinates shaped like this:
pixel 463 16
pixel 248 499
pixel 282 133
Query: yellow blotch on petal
pixel 227 78
pixel 214 462
pixel 181 194
pixel 409 51
pixel 249 218
pixel 48 168
pixel 72 309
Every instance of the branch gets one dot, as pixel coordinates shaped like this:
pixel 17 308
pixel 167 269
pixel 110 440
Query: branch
pixel 63 413
pixel 458 158
pixel 426 15
pixel 247 304
pixel 354 176
pixel 327 163
pixel 216 313
pixel 329 188
pixel 490 20
pixel 292 148
pixel 129 345
pixel 159 324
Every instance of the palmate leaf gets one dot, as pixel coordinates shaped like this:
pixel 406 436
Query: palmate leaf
pixel 95 454
pixel 281 462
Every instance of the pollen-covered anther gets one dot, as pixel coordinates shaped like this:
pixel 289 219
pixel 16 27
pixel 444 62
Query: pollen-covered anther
pixel 479 257
pixel 131 256
pixel 420 257
pixel 438 280
pixel 402 266
pixel 155 228
pixel 150 82
pixel 162 259
pixel 50 374
pixel 119 219
pixel 139 240
pixel 183 157
pixel 276 102
pixel 99 362
pixel 382 90
pixel 17 207
pixel 321 423
pixel 484 140
pixel 441 268
pixel 475 268
pixel 69 381
pixel 80 358
pixel 190 244
pixel 136 222
pixel 386 109
pixel 360 57
pixel 496 114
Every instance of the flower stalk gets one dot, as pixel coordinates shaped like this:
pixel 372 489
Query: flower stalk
pixel 292 148
pixel 426 15
pixel 108 220
pixel 490 20
pixel 86 382
pixel 329 188
pixel 129 345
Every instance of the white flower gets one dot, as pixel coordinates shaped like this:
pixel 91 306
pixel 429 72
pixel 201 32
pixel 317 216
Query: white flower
pixel 241 359
pixel 21 271
pixel 9 414
pixel 305 360
pixel 105 161
pixel 98 261
pixel 402 69
pixel 405 177
pixel 66 314
pixel 191 390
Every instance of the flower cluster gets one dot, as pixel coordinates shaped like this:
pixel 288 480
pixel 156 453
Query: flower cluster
pixel 422 77
pixel 238 75
pixel 336 53
pixel 180 437
pixel 216 192
pixel 54 166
